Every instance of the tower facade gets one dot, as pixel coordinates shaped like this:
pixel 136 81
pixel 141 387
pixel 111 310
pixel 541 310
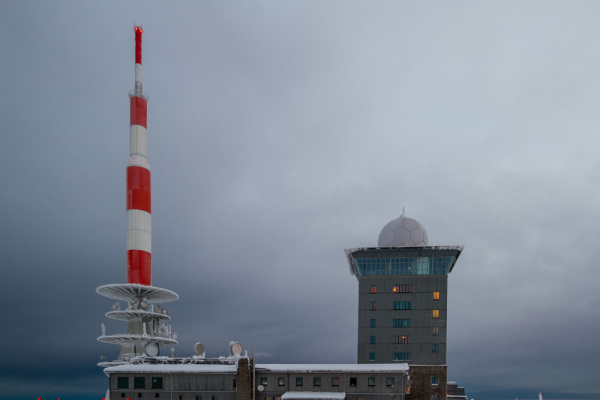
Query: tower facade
pixel 402 300
pixel 147 330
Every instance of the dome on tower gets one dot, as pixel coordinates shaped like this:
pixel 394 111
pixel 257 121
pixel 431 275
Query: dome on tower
pixel 403 231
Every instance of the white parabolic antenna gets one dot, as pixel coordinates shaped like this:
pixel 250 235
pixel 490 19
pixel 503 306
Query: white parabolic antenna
pixel 151 349
pixel 260 388
pixel 199 349
pixel 235 348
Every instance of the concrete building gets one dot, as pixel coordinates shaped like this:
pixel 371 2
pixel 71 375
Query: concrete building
pixel 402 302
pixel 237 378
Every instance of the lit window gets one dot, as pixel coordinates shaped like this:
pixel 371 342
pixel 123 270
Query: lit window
pixel 401 356
pixel 122 382
pixel 435 331
pixel 401 339
pixel 373 289
pixel 373 306
pixel 139 382
pixel 434 348
pixel 436 313
pixel 373 323
pixel 352 382
pixel 299 381
pixel 402 305
pixel 389 381
pixel 371 356
pixel 371 381
pixel 157 382
pixel 402 289
pixel 280 381
pixel 435 380
pixel 401 323
pixel 372 339
pixel 335 381
pixel 317 381
pixel 436 295
pixel 263 380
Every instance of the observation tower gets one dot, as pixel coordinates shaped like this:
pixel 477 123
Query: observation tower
pixel 147 331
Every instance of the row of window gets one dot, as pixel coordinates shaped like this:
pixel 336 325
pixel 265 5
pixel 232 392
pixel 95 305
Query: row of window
pixel 401 322
pixel 403 356
pixel 403 339
pixel 139 382
pixel 403 289
pixel 334 381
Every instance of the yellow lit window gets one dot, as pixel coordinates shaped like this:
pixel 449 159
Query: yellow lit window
pixel 436 295
pixel 373 289
pixel 436 313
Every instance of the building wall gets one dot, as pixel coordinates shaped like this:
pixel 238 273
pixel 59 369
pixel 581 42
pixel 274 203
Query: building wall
pixel 355 385
pixel 423 387
pixel 180 386
pixel 379 306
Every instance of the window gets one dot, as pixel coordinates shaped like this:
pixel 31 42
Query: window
pixel 434 348
pixel 402 289
pixel 434 397
pixel 123 382
pixel 299 381
pixel 139 382
pixel 317 381
pixel 373 323
pixel 402 305
pixel 435 380
pixel 372 356
pixel 435 331
pixel 400 356
pixel 436 313
pixel 263 380
pixel 157 382
pixel 389 382
pixel 372 339
pixel 371 381
pixel 335 381
pixel 401 339
pixel 436 295
pixel 401 323
pixel 122 394
pixel 280 381
pixel 352 382
pixel 373 289
pixel 139 395
pixel 373 306
pixel 234 382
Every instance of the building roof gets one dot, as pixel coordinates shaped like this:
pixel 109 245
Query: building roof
pixel 399 368
pixel 313 395
pixel 174 368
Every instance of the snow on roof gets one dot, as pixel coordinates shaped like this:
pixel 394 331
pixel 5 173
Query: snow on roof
pixel 313 395
pixel 333 367
pixel 173 368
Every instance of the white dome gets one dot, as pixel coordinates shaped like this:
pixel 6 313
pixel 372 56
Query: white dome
pixel 403 231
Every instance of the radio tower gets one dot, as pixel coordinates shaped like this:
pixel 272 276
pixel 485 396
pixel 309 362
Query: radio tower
pixel 147 331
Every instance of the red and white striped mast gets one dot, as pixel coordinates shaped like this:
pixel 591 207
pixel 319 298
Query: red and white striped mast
pixel 147 331
pixel 139 244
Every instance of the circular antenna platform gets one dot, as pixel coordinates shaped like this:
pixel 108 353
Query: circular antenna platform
pixel 130 291
pixel 199 349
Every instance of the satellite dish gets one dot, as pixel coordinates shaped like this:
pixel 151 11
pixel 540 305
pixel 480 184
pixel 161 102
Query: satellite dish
pixel 235 348
pixel 260 388
pixel 151 349
pixel 199 348
pixel 174 336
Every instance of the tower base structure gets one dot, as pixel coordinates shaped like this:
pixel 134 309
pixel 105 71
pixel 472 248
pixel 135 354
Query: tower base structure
pixel 147 331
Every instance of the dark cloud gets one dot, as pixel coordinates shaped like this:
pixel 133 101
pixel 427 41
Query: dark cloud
pixel 280 134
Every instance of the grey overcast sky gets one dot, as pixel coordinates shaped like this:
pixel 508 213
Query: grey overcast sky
pixel 281 133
